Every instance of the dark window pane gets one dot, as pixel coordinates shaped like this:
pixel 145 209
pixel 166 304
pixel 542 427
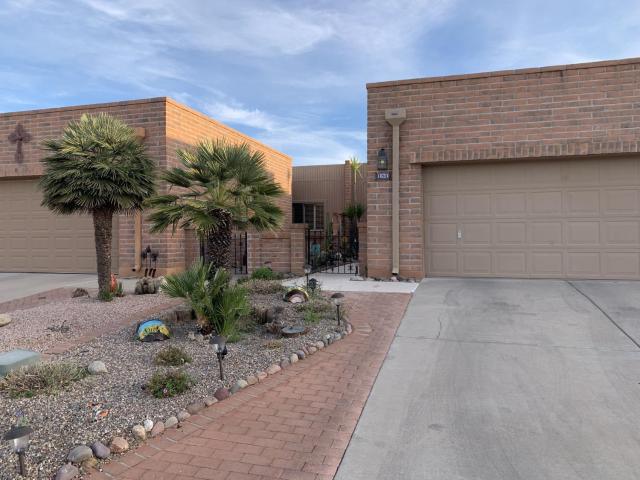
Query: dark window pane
pixel 298 213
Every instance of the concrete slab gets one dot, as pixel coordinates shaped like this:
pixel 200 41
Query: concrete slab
pixel 15 359
pixel 346 283
pixel 502 380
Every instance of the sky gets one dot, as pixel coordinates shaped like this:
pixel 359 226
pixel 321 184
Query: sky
pixel 290 73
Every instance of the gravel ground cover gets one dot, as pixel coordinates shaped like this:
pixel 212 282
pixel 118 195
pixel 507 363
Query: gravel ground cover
pixel 42 327
pixel 68 418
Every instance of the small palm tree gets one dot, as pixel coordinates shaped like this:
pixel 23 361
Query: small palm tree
pixel 97 167
pixel 220 186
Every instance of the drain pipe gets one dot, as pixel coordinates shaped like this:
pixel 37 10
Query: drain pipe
pixel 395 117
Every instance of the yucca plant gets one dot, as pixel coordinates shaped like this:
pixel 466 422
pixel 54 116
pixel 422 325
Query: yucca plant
pixel 97 167
pixel 219 186
pixel 218 305
pixel 355 166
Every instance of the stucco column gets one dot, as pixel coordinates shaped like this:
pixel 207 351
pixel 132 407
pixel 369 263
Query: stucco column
pixel 395 117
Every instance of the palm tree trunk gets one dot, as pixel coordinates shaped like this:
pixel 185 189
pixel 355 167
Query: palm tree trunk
pixel 219 243
pixel 102 225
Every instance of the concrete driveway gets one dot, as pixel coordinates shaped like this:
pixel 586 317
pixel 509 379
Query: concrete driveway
pixel 506 380
pixel 18 285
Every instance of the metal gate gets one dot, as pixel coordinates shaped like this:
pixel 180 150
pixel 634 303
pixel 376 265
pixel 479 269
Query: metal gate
pixel 237 254
pixel 327 252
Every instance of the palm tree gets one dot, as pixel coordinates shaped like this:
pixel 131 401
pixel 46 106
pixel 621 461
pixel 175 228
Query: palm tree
pixel 97 167
pixel 354 165
pixel 219 186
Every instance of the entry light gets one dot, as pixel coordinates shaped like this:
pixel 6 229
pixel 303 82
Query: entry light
pixel 307 271
pixel 337 299
pixel 219 344
pixel 383 162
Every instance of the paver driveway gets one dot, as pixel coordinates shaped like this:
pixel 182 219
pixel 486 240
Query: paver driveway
pixel 507 379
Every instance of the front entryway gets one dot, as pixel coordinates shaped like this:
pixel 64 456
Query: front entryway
pixel 555 218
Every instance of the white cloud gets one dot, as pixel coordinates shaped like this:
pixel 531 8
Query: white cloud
pixel 241 116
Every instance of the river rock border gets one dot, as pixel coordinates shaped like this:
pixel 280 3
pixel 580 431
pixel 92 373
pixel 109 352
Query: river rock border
pixel 87 456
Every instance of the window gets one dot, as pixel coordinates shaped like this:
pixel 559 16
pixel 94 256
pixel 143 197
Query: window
pixel 310 213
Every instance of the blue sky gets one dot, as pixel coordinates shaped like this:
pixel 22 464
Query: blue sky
pixel 290 73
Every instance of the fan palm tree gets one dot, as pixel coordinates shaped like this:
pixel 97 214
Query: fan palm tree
pixel 219 186
pixel 97 167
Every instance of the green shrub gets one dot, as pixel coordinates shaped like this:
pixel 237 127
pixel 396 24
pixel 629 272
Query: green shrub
pixel 217 304
pixel 105 296
pixel 119 292
pixel 263 287
pixel 265 273
pixel 172 357
pixel 310 316
pixel 169 384
pixel 43 378
pixel 273 344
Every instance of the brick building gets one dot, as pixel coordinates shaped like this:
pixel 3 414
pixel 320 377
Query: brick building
pixel 525 173
pixel 32 239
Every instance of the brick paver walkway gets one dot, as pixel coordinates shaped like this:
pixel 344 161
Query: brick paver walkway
pixel 294 425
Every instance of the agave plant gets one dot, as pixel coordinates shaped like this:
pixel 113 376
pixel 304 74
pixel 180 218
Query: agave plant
pixel 218 305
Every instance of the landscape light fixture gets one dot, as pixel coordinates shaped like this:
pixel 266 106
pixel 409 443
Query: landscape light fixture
pixel 307 271
pixel 313 284
pixel 383 161
pixel 219 344
pixel 18 437
pixel 337 299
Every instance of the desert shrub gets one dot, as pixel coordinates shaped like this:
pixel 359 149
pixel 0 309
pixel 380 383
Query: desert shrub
pixel 42 378
pixel 105 296
pixel 265 273
pixel 172 357
pixel 119 291
pixel 263 287
pixel 273 344
pixel 310 316
pixel 218 304
pixel 169 383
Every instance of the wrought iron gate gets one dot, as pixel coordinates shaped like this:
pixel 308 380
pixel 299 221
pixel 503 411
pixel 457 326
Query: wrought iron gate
pixel 237 255
pixel 327 252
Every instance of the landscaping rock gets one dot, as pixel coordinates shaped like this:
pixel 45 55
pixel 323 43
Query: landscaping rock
pixel 239 385
pixel 252 380
pixel 183 415
pixel 100 450
pixel 195 407
pixel 319 345
pixel 293 358
pixel 67 472
pixel 284 362
pixel 301 354
pixel 79 454
pixel 208 401
pixel 89 463
pixel 171 422
pixel 79 292
pixel 261 376
pixel 221 394
pixel 119 445
pixel 273 369
pixel 139 433
pixel 349 329
pixel 328 339
pixel 97 367
pixel 157 429
pixel 312 350
pixel 5 319
pixel 148 425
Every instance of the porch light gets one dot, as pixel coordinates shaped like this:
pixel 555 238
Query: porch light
pixel 18 438
pixel 383 162
pixel 219 344
pixel 337 299
pixel 307 271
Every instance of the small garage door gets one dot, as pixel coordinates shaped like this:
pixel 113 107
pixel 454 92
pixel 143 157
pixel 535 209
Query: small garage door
pixel 560 218
pixel 32 239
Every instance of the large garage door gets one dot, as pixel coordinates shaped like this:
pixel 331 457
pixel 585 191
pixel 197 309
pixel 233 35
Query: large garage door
pixel 32 239
pixel 560 218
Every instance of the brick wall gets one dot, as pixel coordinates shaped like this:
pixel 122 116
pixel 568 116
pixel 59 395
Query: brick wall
pixel 574 110
pixel 168 125
pixel 185 127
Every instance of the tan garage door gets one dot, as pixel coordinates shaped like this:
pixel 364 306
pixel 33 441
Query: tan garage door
pixel 32 239
pixel 560 218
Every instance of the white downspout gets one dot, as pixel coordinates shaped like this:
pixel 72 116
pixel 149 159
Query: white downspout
pixel 395 117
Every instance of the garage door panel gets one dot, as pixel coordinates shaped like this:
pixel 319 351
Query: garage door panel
pixel 583 202
pixel 559 219
pixel 510 233
pixel 510 264
pixel 510 204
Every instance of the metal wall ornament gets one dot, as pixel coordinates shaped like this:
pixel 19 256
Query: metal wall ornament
pixel 19 136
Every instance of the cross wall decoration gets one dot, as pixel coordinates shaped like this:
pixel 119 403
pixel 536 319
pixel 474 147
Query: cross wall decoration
pixel 19 136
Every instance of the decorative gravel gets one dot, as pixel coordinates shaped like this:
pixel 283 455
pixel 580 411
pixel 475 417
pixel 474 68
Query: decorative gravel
pixel 42 327
pixel 68 419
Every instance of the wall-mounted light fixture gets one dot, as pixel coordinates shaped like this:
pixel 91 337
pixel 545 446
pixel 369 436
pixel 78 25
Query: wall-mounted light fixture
pixel 383 161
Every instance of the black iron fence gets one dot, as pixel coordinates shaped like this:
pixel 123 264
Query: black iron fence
pixel 238 253
pixel 329 252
